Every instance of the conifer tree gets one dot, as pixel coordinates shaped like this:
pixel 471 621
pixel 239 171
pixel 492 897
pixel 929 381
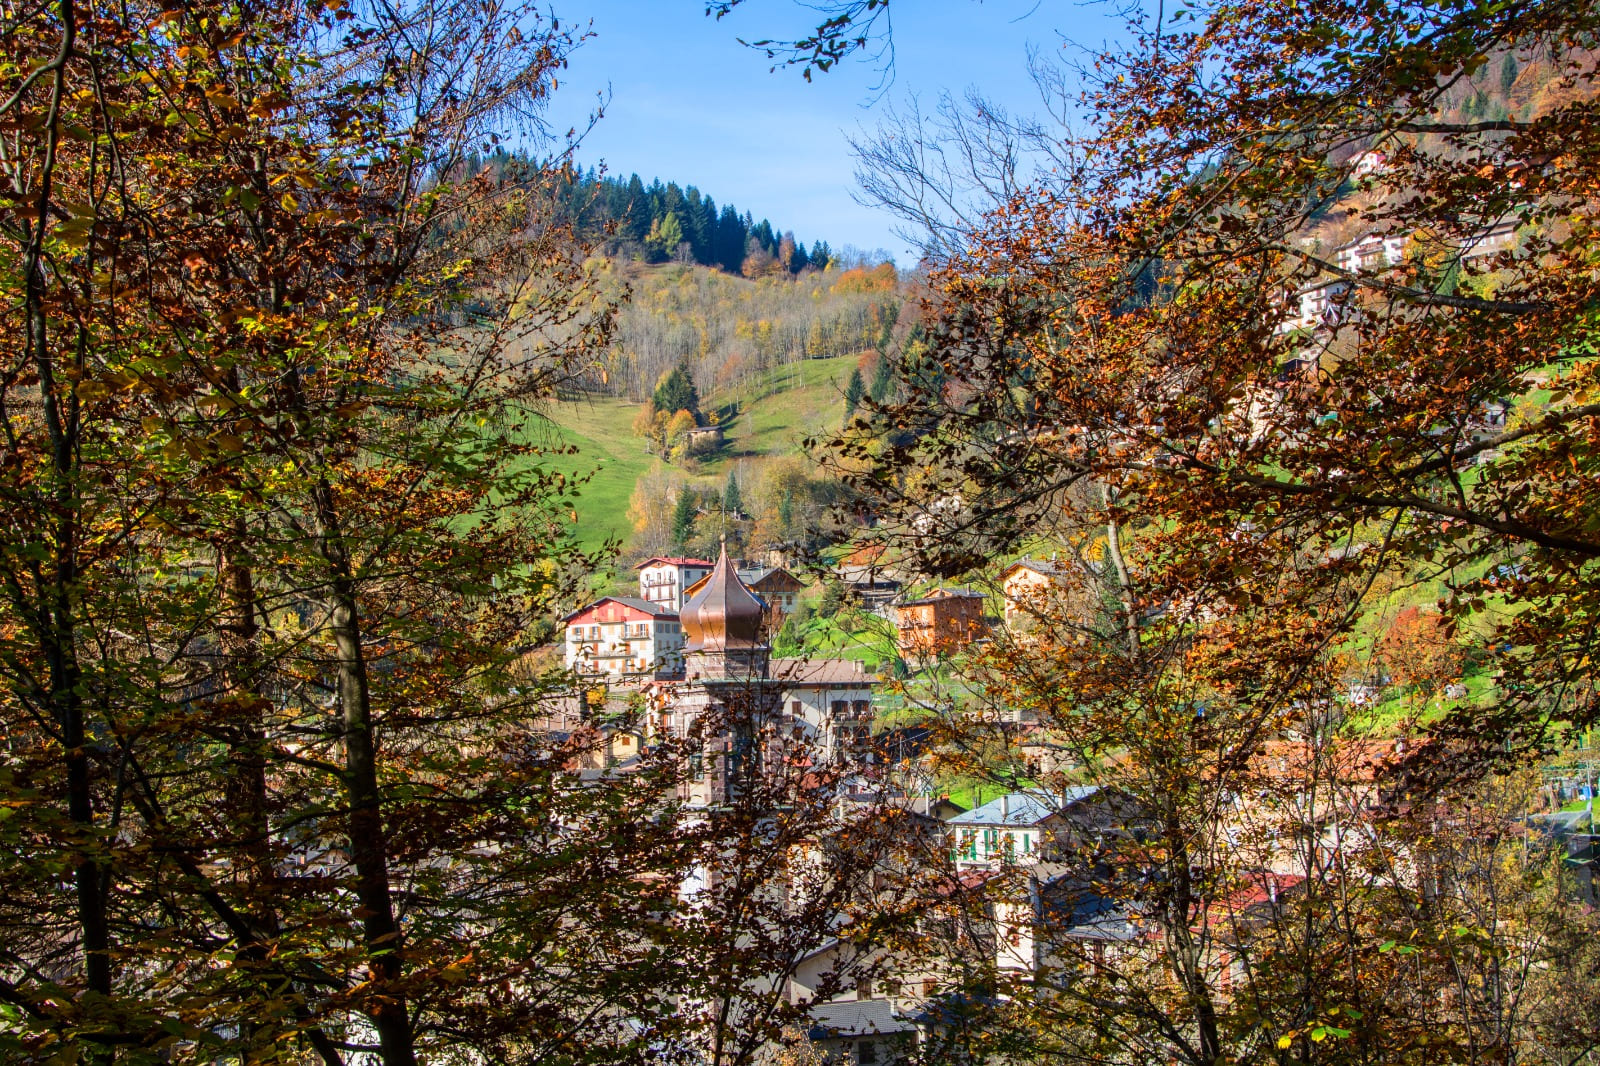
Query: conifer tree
pixel 637 220
pixel 676 392
pixel 853 393
pixel 683 518
pixel 882 378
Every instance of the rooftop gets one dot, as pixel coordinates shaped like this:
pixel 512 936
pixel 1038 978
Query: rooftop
pixel 657 610
pixel 673 560
pixel 1048 567
pixel 820 672
pixel 942 594
pixel 861 1017
pixel 1024 808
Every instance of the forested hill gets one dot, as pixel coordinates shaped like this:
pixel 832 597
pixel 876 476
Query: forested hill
pixel 661 222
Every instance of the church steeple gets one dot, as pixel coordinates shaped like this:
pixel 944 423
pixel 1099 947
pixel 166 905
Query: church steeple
pixel 722 627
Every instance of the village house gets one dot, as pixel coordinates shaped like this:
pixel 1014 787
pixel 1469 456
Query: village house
pixel 833 697
pixel 1371 252
pixel 1057 921
pixel 1368 164
pixel 1321 304
pixel 664 579
pixel 1317 306
pixel 1022 828
pixel 623 639
pixel 1501 237
pixel 940 623
pixel 869 578
pixel 1026 589
pixel 1016 828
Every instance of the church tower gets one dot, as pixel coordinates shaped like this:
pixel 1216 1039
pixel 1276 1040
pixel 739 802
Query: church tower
pixel 722 629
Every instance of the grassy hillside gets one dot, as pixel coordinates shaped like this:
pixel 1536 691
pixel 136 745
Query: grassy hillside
pixel 608 454
pixel 776 410
pixel 781 407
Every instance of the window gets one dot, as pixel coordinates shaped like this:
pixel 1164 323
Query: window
pixel 839 708
pixel 794 708
pixel 991 842
pixel 861 706
pixel 968 847
pixel 863 988
pixel 867 1053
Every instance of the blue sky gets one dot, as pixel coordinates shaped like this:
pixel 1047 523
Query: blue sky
pixel 692 105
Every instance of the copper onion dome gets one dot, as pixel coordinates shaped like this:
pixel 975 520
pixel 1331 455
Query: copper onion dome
pixel 724 614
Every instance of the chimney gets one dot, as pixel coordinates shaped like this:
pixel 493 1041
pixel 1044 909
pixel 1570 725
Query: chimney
pixel 1005 806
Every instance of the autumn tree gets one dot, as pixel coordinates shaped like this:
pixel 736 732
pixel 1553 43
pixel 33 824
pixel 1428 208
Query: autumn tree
pixel 1419 652
pixel 651 424
pixel 1190 357
pixel 278 540
pixel 665 235
pixel 678 431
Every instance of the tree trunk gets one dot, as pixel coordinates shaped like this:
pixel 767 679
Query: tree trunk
pixel 1187 953
pixel 368 843
pixel 58 630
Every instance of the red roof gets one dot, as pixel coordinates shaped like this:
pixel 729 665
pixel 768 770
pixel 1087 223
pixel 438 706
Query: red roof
pixel 672 560
pixel 628 608
pixel 1259 887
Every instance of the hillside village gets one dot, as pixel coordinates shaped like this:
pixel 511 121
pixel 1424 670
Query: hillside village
pixel 1031 871
pixel 1031 860
pixel 462 607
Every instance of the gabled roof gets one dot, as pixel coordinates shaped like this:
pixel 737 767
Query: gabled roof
pixel 673 560
pixel 821 672
pixel 1047 567
pixel 755 575
pixel 659 611
pixel 940 595
pixel 861 1017
pixel 752 576
pixel 1070 907
pixel 1023 808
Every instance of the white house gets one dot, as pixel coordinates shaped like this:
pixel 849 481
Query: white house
pixel 1372 252
pixel 1368 164
pixel 1315 306
pixel 624 639
pixel 1023 828
pixel 663 579
pixel 833 697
